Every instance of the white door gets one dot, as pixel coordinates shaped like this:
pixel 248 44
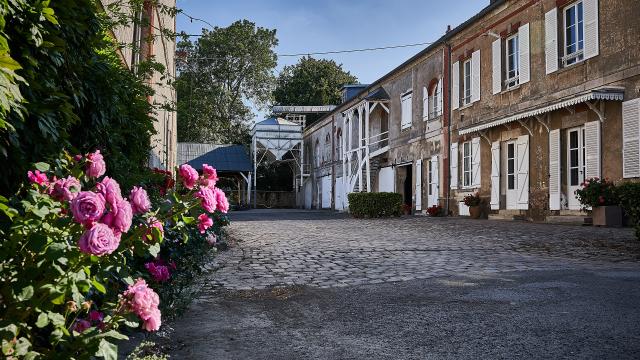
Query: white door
pixel 326 192
pixel 511 175
pixel 339 194
pixel 308 194
pixel 419 184
pixel 575 164
pixel 433 182
pixel 386 180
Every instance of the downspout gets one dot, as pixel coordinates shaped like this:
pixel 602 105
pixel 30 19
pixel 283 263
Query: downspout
pixel 448 140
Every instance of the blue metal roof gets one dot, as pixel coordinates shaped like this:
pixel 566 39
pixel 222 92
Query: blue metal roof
pixel 232 158
pixel 276 121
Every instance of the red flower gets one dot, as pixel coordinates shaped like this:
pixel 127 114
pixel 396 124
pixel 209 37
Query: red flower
pixel 601 199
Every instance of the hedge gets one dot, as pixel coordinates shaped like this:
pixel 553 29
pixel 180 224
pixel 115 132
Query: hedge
pixel 629 195
pixel 375 205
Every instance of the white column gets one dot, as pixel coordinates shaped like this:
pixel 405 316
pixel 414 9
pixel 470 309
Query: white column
pixel 366 144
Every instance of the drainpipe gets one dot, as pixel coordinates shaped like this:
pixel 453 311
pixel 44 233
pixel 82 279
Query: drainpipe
pixel 447 67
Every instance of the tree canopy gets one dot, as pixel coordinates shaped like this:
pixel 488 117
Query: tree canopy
pixel 312 82
pixel 220 76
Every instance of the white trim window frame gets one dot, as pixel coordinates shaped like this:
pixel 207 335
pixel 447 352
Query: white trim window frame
pixel 573 33
pixel 512 61
pixel 467 168
pixel 406 108
pixel 435 94
pixel 466 82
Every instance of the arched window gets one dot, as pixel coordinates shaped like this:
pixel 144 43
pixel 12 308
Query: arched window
pixel 316 153
pixel 327 149
pixel 339 144
pixel 432 100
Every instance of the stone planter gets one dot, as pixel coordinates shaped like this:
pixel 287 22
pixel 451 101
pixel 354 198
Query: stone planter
pixel 610 216
pixel 475 212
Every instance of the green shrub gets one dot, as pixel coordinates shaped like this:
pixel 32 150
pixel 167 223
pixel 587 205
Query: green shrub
pixel 375 205
pixel 629 195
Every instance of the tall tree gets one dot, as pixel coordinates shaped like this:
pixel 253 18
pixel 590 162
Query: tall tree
pixel 312 82
pixel 222 74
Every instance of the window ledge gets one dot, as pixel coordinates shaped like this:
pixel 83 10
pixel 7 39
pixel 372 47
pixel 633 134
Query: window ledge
pixel 507 90
pixel 465 106
pixel 572 66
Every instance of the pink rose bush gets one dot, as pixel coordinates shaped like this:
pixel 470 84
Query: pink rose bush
pixel 85 240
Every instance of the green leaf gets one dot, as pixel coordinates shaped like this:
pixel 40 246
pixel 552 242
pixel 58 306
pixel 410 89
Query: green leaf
pixel 188 220
pixel 107 350
pixel 58 300
pixel 154 250
pixel 98 286
pixel 43 320
pixel 6 62
pixel 157 234
pixel 22 347
pixel 55 318
pixel 26 293
pixel 42 166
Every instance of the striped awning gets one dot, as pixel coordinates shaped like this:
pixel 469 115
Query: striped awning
pixel 602 94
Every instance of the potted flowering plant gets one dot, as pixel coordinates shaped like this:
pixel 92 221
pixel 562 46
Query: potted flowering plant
pixel 600 196
pixel 473 201
pixel 435 210
pixel 406 209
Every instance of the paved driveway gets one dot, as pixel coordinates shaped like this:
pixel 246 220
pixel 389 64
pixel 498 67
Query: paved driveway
pixel 317 285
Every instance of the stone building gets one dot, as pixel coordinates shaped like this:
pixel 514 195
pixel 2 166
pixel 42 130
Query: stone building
pixel 149 41
pixel 530 98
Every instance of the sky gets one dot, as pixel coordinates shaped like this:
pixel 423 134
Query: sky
pixel 304 26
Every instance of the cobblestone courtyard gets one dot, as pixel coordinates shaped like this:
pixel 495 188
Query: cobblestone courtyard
pixel 322 285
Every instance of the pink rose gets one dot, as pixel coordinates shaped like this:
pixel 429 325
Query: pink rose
pixel 37 177
pixel 209 176
pixel 96 166
pixel 120 216
pixel 212 239
pixel 204 222
pixel 142 300
pixel 98 240
pixel 153 223
pixel 110 189
pixel 153 321
pixel 87 207
pixel 207 199
pixel 81 325
pixel 189 176
pixel 139 200
pixel 222 203
pixel 159 272
pixel 65 189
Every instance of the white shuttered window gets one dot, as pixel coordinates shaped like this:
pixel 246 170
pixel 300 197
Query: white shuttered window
pixel 406 111
pixel 631 138
pixel 524 62
pixel 455 86
pixel 497 66
pixel 551 40
pixel 475 76
pixel 453 164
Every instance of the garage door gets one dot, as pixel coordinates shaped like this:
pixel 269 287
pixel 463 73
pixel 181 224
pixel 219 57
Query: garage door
pixel 326 192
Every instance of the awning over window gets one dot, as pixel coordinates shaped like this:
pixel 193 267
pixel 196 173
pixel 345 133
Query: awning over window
pixel 601 94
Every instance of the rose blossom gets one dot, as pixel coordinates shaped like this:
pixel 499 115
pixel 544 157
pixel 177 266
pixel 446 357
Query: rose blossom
pixel 212 239
pixel 139 200
pixel 222 203
pixel 98 240
pixel 81 325
pixel 189 176
pixel 209 176
pixel 87 207
pixel 110 189
pixel 95 315
pixel 207 199
pixel 204 222
pixel 158 271
pixel 120 216
pixel 153 223
pixel 38 177
pixel 65 189
pixel 142 300
pixel 96 166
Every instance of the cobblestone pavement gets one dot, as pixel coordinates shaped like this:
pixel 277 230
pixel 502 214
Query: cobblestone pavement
pixel 324 249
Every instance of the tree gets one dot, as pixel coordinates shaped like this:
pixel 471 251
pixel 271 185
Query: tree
pixel 221 73
pixel 312 82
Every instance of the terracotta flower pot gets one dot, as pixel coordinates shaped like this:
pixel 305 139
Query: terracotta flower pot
pixel 475 212
pixel 610 216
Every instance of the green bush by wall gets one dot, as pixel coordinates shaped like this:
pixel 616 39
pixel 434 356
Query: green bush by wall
pixel 629 195
pixel 374 205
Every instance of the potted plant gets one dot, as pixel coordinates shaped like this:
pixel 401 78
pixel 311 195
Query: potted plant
pixel 406 209
pixel 473 201
pixel 435 210
pixel 600 196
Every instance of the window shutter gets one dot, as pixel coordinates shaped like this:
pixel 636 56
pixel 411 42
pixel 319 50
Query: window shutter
pixel 455 86
pixel 495 176
pixel 591 33
pixel 475 162
pixel 523 49
pixel 419 184
pixel 475 76
pixel 406 111
pixel 523 171
pixel 453 164
pixel 439 99
pixel 592 149
pixel 497 66
pixel 425 103
pixel 435 190
pixel 551 40
pixel 554 169
pixel 631 138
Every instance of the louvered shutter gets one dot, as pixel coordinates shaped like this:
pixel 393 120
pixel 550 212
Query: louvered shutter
pixel 435 179
pixel 496 55
pixel 419 184
pixel 631 138
pixel 453 164
pixel 495 176
pixel 475 76
pixel 425 103
pixel 406 111
pixel 551 40
pixel 523 171
pixel 592 149
pixel 439 99
pixel 554 169
pixel 524 57
pixel 475 162
pixel 591 32
pixel 455 86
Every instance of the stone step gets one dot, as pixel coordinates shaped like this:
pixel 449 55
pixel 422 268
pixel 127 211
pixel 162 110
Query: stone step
pixel 568 219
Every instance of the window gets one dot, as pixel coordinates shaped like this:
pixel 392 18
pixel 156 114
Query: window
pixel 512 61
pixel 317 154
pixel 327 149
pixel 339 144
pixel 466 164
pixel 511 166
pixel 406 110
pixel 430 177
pixel 573 34
pixel 435 100
pixel 466 82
